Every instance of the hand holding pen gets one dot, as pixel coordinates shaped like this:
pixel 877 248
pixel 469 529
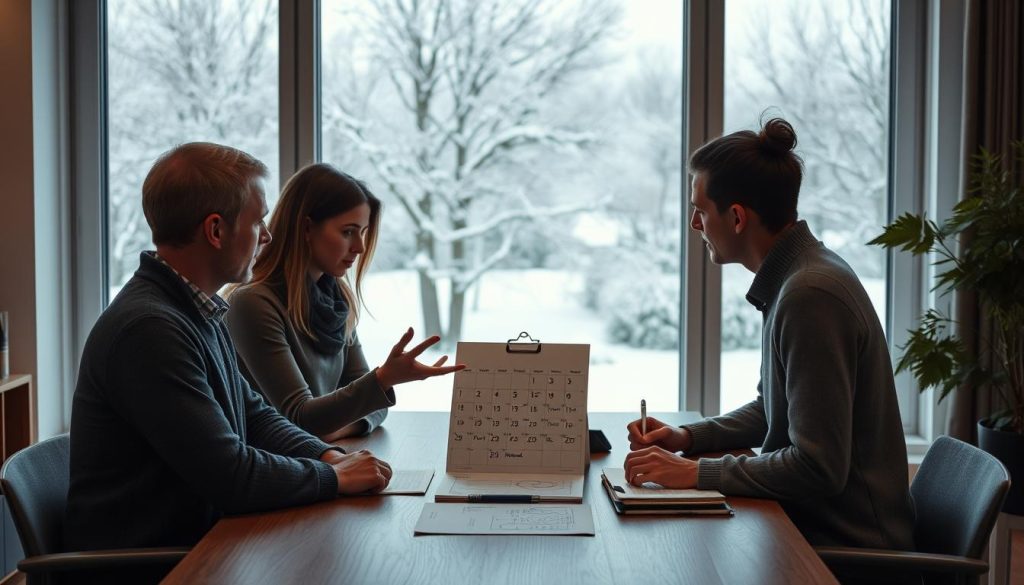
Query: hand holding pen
pixel 657 433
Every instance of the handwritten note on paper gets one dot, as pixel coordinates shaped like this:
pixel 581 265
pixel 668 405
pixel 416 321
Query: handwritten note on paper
pixel 409 482
pixel 549 519
pixel 456 488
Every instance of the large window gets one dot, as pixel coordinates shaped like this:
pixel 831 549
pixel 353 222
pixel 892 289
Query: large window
pixel 825 67
pixel 528 155
pixel 183 71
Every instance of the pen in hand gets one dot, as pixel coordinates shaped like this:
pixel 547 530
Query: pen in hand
pixel 643 417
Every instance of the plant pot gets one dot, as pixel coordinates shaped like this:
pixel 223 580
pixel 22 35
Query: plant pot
pixel 1009 449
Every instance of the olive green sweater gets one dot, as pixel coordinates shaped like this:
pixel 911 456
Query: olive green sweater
pixel 320 393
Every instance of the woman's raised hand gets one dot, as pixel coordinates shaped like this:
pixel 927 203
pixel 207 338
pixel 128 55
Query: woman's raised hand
pixel 401 365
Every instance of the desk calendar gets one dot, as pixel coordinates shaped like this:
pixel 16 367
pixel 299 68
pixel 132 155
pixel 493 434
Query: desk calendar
pixel 518 425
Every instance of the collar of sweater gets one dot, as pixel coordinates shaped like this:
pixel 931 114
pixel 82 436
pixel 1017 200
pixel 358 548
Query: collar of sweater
pixel 177 287
pixel 777 263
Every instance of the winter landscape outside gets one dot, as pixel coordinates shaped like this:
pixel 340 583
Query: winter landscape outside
pixel 824 66
pixel 528 153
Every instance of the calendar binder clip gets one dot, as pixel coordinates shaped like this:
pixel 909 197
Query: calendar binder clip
pixel 516 346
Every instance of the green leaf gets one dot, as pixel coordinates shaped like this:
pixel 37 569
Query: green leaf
pixel 935 357
pixel 909 232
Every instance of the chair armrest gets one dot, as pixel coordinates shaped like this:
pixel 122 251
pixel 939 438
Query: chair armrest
pixel 95 559
pixel 898 559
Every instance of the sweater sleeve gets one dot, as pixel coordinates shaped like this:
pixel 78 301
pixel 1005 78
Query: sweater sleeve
pixel 157 380
pixel 817 344
pixel 259 333
pixel 355 380
pixel 743 428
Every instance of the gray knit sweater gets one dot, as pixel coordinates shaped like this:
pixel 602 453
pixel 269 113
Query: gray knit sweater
pixel 826 415
pixel 166 435
pixel 320 393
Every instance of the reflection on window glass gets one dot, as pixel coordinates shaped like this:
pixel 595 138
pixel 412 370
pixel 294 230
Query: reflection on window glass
pixel 183 71
pixel 824 66
pixel 528 153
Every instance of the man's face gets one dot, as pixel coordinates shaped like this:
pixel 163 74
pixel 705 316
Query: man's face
pixel 246 236
pixel 716 229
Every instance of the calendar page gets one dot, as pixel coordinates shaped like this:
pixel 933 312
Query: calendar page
pixel 519 411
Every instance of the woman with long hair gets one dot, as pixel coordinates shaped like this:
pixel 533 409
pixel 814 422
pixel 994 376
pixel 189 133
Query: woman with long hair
pixel 294 323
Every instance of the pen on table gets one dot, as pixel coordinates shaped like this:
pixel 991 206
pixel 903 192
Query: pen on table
pixel 502 499
pixel 643 417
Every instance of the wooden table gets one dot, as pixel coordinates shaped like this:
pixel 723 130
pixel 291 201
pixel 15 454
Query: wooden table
pixel 370 539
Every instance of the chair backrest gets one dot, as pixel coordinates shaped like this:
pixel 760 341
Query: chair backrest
pixel 958 492
pixel 35 483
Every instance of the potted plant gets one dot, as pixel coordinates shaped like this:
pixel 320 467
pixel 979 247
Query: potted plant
pixel 990 263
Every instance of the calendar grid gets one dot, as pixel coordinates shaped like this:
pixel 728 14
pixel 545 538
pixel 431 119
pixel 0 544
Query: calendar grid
pixel 519 411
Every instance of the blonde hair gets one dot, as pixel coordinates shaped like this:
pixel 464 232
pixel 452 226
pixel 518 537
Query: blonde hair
pixel 192 181
pixel 317 192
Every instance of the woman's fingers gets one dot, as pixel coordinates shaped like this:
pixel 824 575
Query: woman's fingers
pixel 416 351
pixel 402 342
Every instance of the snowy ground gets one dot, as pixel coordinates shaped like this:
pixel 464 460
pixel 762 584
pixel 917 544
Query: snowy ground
pixel 543 302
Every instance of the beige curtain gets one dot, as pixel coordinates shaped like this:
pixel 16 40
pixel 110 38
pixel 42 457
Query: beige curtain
pixel 993 118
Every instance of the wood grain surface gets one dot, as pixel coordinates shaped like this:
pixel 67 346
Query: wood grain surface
pixel 370 539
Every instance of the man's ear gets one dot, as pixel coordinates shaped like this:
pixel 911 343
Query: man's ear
pixel 741 216
pixel 214 228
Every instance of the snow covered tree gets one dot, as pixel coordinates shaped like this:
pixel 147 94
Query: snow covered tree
pixel 825 65
pixel 458 106
pixel 181 71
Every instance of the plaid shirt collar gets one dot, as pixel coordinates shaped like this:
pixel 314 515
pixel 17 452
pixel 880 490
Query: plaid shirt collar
pixel 210 307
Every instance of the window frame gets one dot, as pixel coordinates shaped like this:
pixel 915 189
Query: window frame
pixel 924 168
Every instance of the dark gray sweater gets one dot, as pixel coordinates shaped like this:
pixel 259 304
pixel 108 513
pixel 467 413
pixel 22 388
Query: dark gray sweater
pixel 826 415
pixel 166 435
pixel 320 393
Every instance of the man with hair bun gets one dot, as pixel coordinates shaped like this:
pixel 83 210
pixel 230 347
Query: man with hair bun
pixel 826 416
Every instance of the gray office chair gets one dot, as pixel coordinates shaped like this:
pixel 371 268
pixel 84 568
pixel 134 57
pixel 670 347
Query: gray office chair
pixel 35 483
pixel 958 492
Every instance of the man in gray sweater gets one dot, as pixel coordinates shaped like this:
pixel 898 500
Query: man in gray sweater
pixel 826 415
pixel 166 435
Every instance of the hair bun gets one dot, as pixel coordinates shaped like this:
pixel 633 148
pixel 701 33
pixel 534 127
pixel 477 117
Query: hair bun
pixel 777 137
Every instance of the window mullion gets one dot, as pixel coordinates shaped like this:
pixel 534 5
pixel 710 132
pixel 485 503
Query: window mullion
pixel 299 51
pixel 704 63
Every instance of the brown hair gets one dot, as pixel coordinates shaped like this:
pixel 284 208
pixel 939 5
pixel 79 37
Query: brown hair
pixel 192 181
pixel 758 170
pixel 318 192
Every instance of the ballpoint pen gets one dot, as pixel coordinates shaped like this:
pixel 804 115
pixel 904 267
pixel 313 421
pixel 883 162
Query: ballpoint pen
pixel 643 417
pixel 502 499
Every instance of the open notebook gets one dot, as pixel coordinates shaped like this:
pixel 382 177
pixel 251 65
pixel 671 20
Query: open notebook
pixel 518 426
pixel 654 499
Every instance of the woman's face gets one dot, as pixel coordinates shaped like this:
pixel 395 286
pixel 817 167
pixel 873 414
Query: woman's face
pixel 337 242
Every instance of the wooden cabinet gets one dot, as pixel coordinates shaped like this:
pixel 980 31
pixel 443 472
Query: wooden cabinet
pixel 17 414
pixel 17 431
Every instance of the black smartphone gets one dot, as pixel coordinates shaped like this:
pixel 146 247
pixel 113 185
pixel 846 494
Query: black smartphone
pixel 598 442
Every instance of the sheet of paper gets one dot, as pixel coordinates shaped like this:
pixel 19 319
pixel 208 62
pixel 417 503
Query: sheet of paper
pixel 652 491
pixel 409 482
pixel 546 519
pixel 547 487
